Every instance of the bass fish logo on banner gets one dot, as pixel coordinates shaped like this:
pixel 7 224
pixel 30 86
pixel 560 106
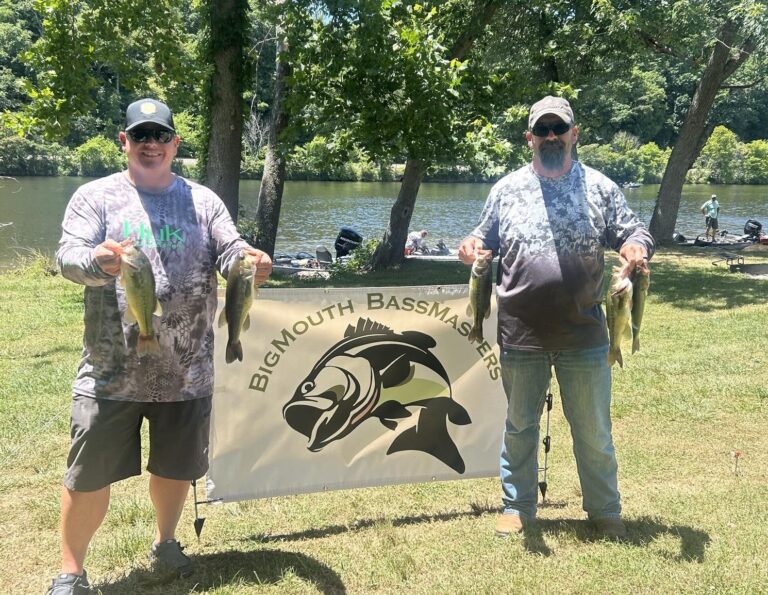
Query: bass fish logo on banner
pixel 374 372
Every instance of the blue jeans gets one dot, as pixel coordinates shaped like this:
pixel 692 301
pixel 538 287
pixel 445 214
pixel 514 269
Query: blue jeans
pixel 585 388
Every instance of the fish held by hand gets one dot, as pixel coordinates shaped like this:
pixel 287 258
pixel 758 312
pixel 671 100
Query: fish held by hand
pixel 618 310
pixel 480 290
pixel 239 298
pixel 141 302
pixel 640 283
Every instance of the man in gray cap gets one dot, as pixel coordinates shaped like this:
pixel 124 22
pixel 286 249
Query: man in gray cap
pixel 550 222
pixel 186 235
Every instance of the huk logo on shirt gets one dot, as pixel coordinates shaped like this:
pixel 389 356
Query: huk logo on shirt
pixel 144 236
pixel 374 372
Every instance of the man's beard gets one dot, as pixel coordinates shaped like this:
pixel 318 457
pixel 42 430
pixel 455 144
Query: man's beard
pixel 552 155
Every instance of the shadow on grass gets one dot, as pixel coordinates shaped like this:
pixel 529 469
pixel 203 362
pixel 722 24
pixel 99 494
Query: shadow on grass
pixel 217 571
pixel 322 532
pixel 703 290
pixel 641 532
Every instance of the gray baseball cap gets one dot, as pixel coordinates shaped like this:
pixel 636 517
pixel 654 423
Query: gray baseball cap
pixel 551 105
pixel 146 111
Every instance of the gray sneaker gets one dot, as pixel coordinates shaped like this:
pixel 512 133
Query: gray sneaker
pixel 170 555
pixel 70 584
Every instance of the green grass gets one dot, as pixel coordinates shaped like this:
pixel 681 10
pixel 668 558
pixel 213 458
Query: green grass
pixel 696 391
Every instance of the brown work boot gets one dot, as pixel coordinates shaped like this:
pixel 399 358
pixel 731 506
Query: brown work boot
pixel 508 524
pixel 610 528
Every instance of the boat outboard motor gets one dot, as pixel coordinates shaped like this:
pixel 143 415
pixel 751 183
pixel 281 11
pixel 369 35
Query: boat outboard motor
pixel 752 228
pixel 347 240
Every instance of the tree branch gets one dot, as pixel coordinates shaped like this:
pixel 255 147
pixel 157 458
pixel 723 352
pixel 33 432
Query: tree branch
pixel 655 45
pixel 483 15
pixel 744 86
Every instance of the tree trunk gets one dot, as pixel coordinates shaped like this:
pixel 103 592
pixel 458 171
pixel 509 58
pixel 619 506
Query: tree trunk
pixel 391 249
pixel 695 131
pixel 273 178
pixel 222 170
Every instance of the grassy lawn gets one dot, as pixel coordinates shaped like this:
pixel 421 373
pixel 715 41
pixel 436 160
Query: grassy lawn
pixel 697 391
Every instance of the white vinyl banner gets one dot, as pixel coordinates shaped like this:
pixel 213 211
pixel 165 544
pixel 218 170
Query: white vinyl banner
pixel 354 387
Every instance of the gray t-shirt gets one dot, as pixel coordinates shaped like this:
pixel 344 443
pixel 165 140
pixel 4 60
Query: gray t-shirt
pixel 551 235
pixel 187 234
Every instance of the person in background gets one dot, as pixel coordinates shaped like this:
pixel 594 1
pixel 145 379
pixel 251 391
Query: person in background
pixel 187 234
pixel 711 211
pixel 416 242
pixel 550 223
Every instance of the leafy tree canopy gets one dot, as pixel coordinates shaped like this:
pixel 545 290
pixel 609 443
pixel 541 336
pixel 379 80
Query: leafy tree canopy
pixel 137 45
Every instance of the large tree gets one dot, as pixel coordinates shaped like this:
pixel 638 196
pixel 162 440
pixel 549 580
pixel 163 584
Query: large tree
pixel 394 78
pixel 273 178
pixel 224 49
pixel 737 36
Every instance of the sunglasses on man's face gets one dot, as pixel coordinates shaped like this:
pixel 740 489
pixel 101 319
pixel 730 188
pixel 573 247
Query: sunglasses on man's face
pixel 543 130
pixel 145 135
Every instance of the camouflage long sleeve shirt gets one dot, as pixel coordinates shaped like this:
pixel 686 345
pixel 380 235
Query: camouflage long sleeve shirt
pixel 187 234
pixel 551 235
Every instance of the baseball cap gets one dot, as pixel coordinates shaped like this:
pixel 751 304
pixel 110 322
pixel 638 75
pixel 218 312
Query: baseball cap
pixel 714 196
pixel 551 105
pixel 148 110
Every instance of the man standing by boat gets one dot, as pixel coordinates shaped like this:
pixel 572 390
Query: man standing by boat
pixel 711 210
pixel 550 223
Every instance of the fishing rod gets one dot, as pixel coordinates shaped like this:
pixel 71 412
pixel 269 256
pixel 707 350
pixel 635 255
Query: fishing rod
pixel 547 442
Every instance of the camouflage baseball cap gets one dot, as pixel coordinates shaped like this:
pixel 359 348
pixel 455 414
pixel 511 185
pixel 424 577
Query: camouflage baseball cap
pixel 551 105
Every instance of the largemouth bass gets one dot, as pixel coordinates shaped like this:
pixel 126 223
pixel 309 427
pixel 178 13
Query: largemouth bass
pixel 640 283
pixel 618 311
pixel 142 304
pixel 374 372
pixel 480 290
pixel 239 297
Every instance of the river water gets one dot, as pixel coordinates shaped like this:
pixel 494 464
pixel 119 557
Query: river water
pixel 31 210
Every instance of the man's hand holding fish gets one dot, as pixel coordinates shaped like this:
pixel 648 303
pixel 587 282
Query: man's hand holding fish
pixel 262 265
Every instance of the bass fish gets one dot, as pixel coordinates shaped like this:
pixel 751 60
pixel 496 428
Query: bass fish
pixel 618 310
pixel 375 372
pixel 239 297
pixel 142 303
pixel 480 290
pixel 640 283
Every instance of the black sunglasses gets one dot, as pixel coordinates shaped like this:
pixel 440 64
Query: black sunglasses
pixel 144 135
pixel 544 129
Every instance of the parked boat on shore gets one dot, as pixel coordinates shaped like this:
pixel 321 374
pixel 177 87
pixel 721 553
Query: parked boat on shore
pixel 753 234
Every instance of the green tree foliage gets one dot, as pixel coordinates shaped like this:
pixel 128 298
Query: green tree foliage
pixel 652 160
pixel 726 160
pixel 755 163
pixel 21 156
pixel 625 160
pixel 379 75
pixel 17 27
pixel 189 128
pixel 98 157
pixel 137 45
pixel 720 157
pixel 633 102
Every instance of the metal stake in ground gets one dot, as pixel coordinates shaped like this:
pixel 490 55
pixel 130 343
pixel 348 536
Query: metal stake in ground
pixel 547 443
pixel 198 520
